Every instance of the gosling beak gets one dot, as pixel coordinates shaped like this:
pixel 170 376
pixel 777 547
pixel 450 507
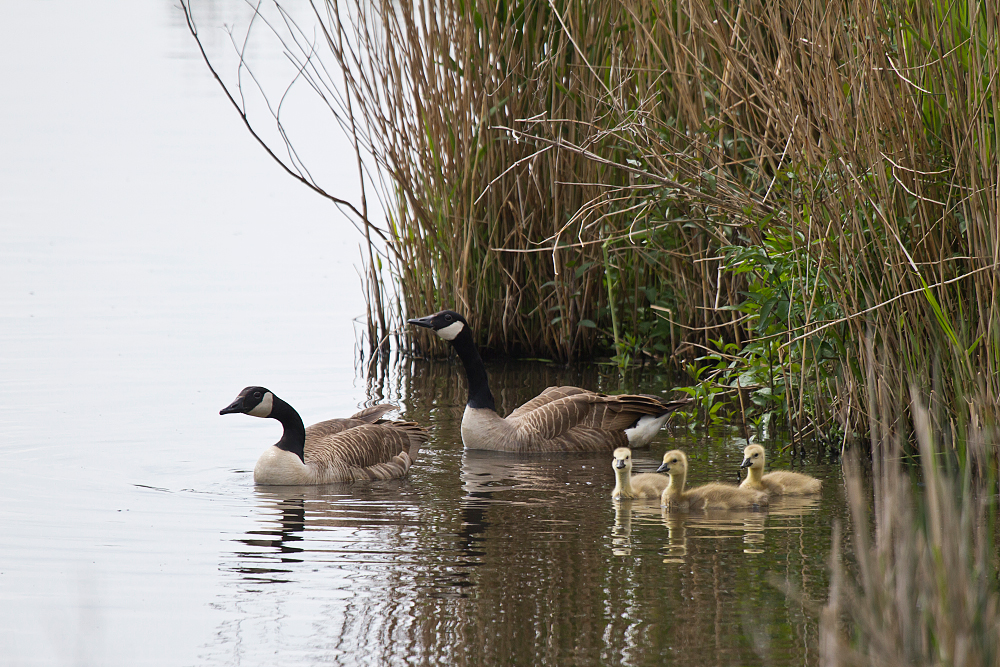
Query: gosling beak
pixel 234 407
pixel 423 322
pixel 620 464
pixel 664 467
pixel 746 463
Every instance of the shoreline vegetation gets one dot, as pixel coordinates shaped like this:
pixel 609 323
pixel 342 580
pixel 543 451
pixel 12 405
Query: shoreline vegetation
pixel 795 203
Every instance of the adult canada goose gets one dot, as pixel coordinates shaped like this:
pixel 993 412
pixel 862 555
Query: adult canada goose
pixel 560 419
pixel 777 483
pixel 647 485
pixel 362 447
pixel 708 496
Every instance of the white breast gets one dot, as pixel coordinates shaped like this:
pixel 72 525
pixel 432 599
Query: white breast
pixel 483 428
pixel 276 466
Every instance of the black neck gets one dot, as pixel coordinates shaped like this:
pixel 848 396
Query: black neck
pixel 294 438
pixel 475 371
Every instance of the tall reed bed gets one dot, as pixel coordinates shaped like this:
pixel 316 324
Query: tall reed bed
pixel 482 217
pixel 766 183
pixel 785 178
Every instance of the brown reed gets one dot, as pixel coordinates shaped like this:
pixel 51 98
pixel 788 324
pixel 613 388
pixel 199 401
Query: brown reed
pixel 545 158
pixel 921 588
pixel 570 173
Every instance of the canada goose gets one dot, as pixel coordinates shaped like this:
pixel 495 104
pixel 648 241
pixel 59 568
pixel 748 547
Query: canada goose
pixel 777 483
pixel 708 496
pixel 647 485
pixel 560 419
pixel 362 447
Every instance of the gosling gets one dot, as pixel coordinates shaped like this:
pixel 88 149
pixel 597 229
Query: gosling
pixel 777 483
pixel 708 496
pixel 646 485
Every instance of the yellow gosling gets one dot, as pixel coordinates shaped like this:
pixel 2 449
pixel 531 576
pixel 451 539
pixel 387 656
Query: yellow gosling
pixel 648 485
pixel 777 483
pixel 708 496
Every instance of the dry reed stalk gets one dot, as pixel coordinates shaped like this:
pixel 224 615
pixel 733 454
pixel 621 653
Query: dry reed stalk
pixel 866 135
pixel 923 589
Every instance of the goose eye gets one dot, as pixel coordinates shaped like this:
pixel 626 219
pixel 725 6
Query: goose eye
pixel 448 318
pixel 257 394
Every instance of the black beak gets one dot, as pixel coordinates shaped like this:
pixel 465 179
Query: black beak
pixel 234 407
pixel 746 463
pixel 664 467
pixel 425 322
pixel 620 464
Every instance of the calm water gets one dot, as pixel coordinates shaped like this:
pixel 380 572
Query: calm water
pixel 152 263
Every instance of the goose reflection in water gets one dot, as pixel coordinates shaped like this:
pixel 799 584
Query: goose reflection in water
pixel 304 530
pixel 486 474
pixel 783 514
pixel 285 513
pixel 686 528
pixel 645 511
pixel 274 543
pixel 713 525
pixel 621 534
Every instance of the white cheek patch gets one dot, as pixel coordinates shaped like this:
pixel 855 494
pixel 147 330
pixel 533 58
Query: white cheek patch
pixel 263 408
pixel 451 331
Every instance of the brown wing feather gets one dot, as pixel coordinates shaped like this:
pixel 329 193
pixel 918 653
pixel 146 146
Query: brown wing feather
pixel 547 396
pixel 323 429
pixel 416 436
pixel 362 445
pixel 372 414
pixel 329 427
pixel 582 439
pixel 367 451
pixel 587 410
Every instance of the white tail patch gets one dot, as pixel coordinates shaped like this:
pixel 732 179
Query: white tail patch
pixel 451 331
pixel 263 408
pixel 645 430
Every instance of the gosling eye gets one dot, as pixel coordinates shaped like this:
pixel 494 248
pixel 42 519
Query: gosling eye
pixel 756 455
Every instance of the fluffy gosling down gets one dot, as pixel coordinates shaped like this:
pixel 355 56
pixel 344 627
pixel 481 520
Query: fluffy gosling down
pixel 777 483
pixel 708 496
pixel 361 447
pixel 647 485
